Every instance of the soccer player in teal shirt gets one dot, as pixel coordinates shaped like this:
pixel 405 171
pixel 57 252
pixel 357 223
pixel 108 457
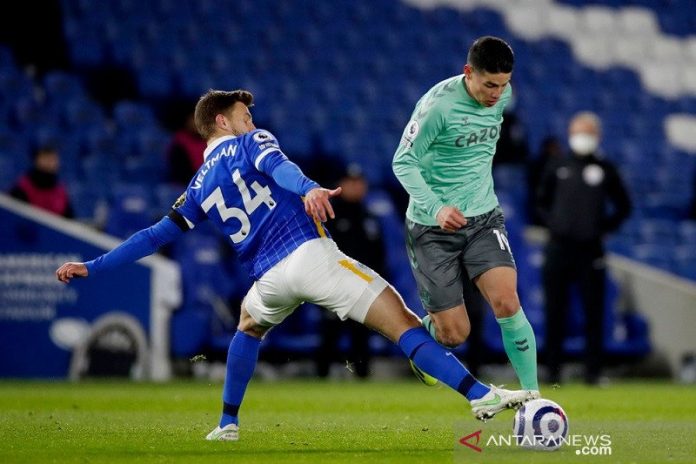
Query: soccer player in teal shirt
pixel 454 223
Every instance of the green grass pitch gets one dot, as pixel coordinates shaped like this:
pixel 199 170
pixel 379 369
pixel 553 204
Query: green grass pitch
pixel 325 422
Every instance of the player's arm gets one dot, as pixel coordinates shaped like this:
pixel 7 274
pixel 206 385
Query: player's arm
pixel 142 243
pixel 273 162
pixel 418 136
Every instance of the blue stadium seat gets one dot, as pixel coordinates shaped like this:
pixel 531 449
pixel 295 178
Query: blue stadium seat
pixel 14 84
pixel 165 196
pixel 668 205
pixel 190 331
pixel 62 85
pixel 85 200
pixel 297 337
pixel 687 232
pixel 657 231
pixel 210 286
pixel 131 115
pixel 128 208
pixel 156 81
pixel 685 260
pixel 10 171
pixel 657 255
pixel 82 114
pixel 530 260
pixel 101 141
pixel 29 113
pixel 89 50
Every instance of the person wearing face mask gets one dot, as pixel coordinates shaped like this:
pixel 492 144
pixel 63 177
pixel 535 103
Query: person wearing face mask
pixel 580 199
pixel 40 185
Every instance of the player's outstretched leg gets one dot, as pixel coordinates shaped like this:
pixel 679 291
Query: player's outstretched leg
pixel 389 315
pixel 428 355
pixel 241 362
pixel 428 380
pixel 242 356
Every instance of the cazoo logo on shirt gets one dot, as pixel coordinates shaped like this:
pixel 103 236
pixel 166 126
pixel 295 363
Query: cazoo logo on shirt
pixel 486 134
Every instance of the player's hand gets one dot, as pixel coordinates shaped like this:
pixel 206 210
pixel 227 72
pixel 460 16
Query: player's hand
pixel 450 218
pixel 317 204
pixel 69 270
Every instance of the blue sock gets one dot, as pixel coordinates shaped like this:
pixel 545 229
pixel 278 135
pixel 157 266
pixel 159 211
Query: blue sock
pixel 241 361
pixel 442 364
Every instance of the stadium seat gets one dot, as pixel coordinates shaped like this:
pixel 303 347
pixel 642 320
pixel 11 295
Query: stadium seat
pixel 82 114
pixel 131 115
pixel 60 84
pixel 85 200
pixel 28 112
pixel 658 255
pixel 190 331
pixel 657 232
pixel 205 277
pixel 687 232
pixel 128 207
pixel 685 260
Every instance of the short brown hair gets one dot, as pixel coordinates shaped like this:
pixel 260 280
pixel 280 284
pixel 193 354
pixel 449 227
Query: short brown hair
pixel 215 102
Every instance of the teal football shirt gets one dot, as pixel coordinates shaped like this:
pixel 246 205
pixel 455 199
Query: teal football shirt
pixel 446 152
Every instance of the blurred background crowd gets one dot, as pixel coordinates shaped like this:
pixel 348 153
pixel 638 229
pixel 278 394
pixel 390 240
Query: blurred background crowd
pixel 108 88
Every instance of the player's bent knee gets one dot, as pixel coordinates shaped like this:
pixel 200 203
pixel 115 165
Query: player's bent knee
pixel 506 305
pixel 249 326
pixel 453 337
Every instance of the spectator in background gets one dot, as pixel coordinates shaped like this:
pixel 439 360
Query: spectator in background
pixel 580 199
pixel 40 185
pixel 185 153
pixel 512 147
pixel 357 232
pixel 550 152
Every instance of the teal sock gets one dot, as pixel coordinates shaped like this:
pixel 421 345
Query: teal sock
pixel 520 346
pixel 429 326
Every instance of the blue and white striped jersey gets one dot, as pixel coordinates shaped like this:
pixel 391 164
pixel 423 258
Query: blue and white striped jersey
pixel 235 188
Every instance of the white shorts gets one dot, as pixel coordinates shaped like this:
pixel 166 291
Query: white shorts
pixel 316 272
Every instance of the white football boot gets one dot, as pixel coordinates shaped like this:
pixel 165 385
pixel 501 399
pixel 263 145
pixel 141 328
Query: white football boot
pixel 498 399
pixel 230 432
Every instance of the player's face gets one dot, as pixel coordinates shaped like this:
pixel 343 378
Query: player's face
pixel 484 87
pixel 239 119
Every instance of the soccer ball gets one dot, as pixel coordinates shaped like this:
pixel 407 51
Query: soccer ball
pixel 540 425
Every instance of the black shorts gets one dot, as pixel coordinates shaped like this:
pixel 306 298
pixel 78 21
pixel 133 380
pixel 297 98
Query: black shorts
pixel 440 260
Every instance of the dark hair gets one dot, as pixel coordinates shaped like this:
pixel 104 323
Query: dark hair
pixel 491 54
pixel 215 102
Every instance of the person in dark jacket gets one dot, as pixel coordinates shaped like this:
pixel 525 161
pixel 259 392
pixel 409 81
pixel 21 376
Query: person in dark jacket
pixel 40 185
pixel 581 198
pixel 356 230
pixel 550 151
pixel 185 153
